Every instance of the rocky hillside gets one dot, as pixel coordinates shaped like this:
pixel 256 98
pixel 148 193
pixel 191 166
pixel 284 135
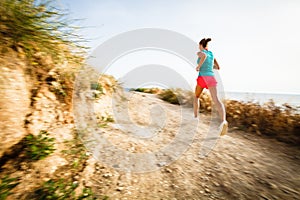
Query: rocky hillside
pixel 40 155
pixel 40 151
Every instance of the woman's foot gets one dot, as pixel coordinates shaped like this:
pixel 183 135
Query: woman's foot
pixel 223 128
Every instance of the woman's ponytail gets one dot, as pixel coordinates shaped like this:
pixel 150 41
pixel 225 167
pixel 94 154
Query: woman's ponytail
pixel 204 42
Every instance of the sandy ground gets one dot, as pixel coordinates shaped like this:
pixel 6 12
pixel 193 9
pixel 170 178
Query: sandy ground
pixel 156 150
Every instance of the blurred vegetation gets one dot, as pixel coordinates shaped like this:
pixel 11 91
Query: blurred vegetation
pixel 76 154
pixel 62 190
pixel 37 37
pixel 102 121
pixel 44 39
pixel 280 122
pixel 97 90
pixel 40 146
pixel 147 90
pixel 176 96
pixel 96 86
pixel 6 185
pixel 170 96
pixel 37 26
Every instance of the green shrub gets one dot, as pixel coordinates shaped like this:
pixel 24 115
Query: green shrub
pixel 40 146
pixel 96 86
pixel 139 89
pixel 37 26
pixel 146 90
pixel 62 190
pixel 6 185
pixel 103 121
pixel 170 96
pixel 177 96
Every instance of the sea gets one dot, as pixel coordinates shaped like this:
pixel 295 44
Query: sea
pixel 261 98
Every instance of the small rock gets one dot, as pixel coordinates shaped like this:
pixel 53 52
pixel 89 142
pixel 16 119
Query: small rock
pixel 120 184
pixel 273 186
pixel 120 189
pixel 89 184
pixel 161 164
pixel 46 179
pixel 107 175
pixel 168 170
pixel 135 180
pixel 216 184
pixel 75 183
pixel 208 174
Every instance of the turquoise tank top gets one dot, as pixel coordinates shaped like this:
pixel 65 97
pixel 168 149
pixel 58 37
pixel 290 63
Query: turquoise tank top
pixel 207 67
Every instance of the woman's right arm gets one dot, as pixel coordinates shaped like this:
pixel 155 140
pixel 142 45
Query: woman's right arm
pixel 202 57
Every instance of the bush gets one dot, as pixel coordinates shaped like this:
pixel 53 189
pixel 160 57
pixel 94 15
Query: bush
pixel 6 185
pixel 61 190
pixel 45 40
pixel 147 90
pixel 170 96
pixel 38 147
pixel 280 122
pixel 37 26
pixel 177 96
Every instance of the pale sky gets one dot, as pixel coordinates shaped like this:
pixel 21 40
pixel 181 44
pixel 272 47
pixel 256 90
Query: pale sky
pixel 256 42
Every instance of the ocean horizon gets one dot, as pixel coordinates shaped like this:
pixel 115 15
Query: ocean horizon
pixel 278 98
pixel 261 98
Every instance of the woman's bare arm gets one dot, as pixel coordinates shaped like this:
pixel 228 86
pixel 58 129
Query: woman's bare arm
pixel 202 57
pixel 216 65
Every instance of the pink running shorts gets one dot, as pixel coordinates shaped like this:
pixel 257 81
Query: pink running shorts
pixel 206 81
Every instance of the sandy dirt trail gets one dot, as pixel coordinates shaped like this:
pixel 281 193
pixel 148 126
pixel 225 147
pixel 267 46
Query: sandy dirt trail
pixel 240 166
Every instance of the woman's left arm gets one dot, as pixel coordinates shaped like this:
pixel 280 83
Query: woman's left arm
pixel 216 65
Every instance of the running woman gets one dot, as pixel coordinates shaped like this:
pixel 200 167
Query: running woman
pixel 206 79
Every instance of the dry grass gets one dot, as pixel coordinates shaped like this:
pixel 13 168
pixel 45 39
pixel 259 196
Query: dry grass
pixel 280 122
pixel 147 90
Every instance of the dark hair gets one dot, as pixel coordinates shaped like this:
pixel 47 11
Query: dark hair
pixel 204 42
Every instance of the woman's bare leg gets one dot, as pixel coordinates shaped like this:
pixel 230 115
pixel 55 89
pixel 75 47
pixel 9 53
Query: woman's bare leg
pixel 219 105
pixel 221 110
pixel 198 91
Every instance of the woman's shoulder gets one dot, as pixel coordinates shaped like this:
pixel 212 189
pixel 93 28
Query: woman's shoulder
pixel 209 52
pixel 201 53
